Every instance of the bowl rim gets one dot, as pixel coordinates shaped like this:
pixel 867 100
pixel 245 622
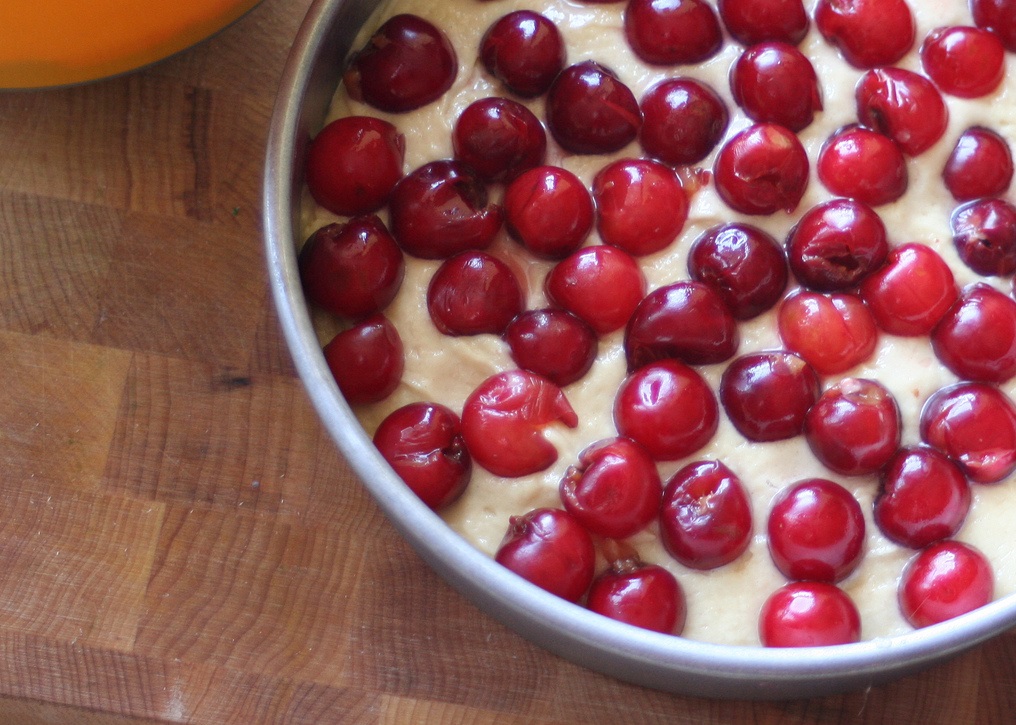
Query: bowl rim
pixel 659 661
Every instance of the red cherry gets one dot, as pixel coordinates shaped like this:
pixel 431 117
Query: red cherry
pixel 442 208
pixel 903 105
pixel 407 63
pixel 354 163
pixel 963 61
pixel 911 292
pixel 744 264
pixel 923 498
pixel 668 408
pixel 353 269
pixel 590 111
pixel 549 210
pixel 774 82
pixel 836 244
pixel 366 360
pixel 974 424
pixel 683 120
pixel 503 422
pixel 854 427
pixel 685 320
pixel 548 548
pixel 601 284
pixel 809 614
pixel 643 595
pixel 977 337
pixel 980 165
pixel 525 51
pixel 767 394
pixel 473 293
pixel 758 21
pixel 868 33
pixel 614 490
pixel 864 165
pixel 832 332
pixel 816 531
pixel 705 522
pixel 641 206
pixel 553 343
pixel 499 138
pixel 943 581
pixel 672 32
pixel 998 16
pixel 984 232
pixel 423 443
pixel 762 170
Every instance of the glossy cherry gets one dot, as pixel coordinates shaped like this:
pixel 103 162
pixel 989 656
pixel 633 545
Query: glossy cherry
pixel 833 332
pixel 911 292
pixel 672 32
pixel 407 63
pixel 854 428
pixel 809 614
pixel 643 595
pixel 423 443
pixel 964 61
pixel 600 284
pixel 550 549
pixel 553 343
pixel 682 121
pixel 759 21
pixel 984 233
pixel 706 519
pixel 980 165
pixel 641 206
pixel 976 338
pixel 549 210
pixel 864 165
pixel 366 360
pixel 816 531
pixel 903 105
pixel 499 138
pixel 774 82
pixel 943 581
pixel 868 33
pixel 590 111
pixel 473 293
pixel 998 16
pixel 525 51
pixel 762 170
pixel 766 395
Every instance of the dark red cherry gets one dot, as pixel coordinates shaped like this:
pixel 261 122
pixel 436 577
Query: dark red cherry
pixel 407 63
pixel 600 284
pixel 682 121
pixel 367 360
pixel 979 166
pixel 672 32
pixel 643 595
pixel 862 164
pixel 911 292
pixel 759 21
pixel 976 338
pixel 553 343
pixel 766 395
pixel 809 614
pixel 762 170
pixel 902 105
pixel 473 293
pixel 833 332
pixel 984 232
pixel 590 111
pixel 943 581
pixel 854 427
pixel 774 82
pixel 525 51
pixel 869 33
pixel 641 206
pixel 549 210
pixel 998 16
pixel 499 138
pixel 964 61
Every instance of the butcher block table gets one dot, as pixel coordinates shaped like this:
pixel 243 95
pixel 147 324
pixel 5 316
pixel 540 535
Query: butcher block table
pixel 179 539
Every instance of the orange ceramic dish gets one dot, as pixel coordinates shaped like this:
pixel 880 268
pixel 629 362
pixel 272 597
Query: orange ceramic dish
pixel 60 42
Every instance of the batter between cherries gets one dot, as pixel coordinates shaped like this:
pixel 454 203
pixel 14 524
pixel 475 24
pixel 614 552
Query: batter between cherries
pixel 823 122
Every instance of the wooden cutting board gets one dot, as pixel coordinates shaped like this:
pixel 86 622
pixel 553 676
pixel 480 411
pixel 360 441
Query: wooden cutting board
pixel 179 540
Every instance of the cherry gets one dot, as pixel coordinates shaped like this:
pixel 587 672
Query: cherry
pixel 943 581
pixel 684 320
pixel 442 208
pixel 668 408
pixel 743 264
pixel 758 21
pixel 590 111
pixel 980 165
pixel 354 163
pixel 705 521
pixel 762 170
pixel 977 337
pixel 832 332
pixel 550 549
pixel 964 61
pixel 499 138
pixel 864 165
pixel 549 210
pixel 911 292
pixel 672 32
pixel 998 16
pixel 423 443
pixel 643 595
pixel 601 284
pixel 774 82
pixel 366 360
pixel 641 206
pixel 809 614
pixel 984 232
pixel 553 343
pixel 614 489
pixel 503 422
pixel 868 33
pixel 902 105
pixel 406 64
pixel 473 293
pixel 974 424
pixel 854 427
pixel 836 244
pixel 525 51
pixel 767 394
pixel 682 121
pixel 352 269
pixel 922 498
pixel 816 531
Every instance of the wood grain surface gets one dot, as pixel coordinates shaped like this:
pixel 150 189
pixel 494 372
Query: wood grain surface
pixel 179 539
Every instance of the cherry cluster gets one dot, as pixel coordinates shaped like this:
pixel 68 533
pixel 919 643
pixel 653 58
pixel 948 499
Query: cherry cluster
pixel 835 284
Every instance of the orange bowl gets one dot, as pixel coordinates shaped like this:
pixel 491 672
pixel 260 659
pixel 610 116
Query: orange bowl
pixel 62 42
